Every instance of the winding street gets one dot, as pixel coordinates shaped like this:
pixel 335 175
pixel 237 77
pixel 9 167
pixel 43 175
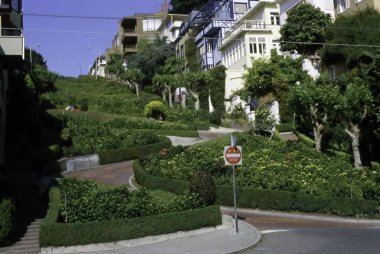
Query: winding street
pixel 285 233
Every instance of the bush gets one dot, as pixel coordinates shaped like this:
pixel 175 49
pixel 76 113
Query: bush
pixel 156 110
pixel 160 183
pixel 216 117
pixel 53 233
pixel 7 212
pixel 285 127
pixel 238 113
pixel 117 155
pixel 203 185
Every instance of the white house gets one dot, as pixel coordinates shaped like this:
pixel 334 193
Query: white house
pixel 254 35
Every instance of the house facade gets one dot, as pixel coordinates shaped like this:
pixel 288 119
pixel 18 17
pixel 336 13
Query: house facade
pixel 253 36
pixel 11 57
pixel 343 7
pixel 170 27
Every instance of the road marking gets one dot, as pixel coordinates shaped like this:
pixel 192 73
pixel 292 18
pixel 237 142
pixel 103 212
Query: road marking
pixel 274 231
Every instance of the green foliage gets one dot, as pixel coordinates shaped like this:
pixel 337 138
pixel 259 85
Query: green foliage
pixel 156 110
pixel 115 64
pixel 202 184
pixel 238 113
pixel 305 24
pixel 285 127
pixel 40 80
pixel 216 117
pixel 83 105
pixel 129 153
pixel 89 135
pixel 37 59
pixel 362 31
pixel 264 121
pixel 217 86
pixel 192 63
pixel 194 119
pixel 155 182
pixel 7 220
pixel 143 123
pixel 59 234
pixel 150 58
pixel 270 164
pixel 185 7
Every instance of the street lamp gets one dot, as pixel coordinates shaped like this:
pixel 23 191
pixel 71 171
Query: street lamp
pixel 96 62
pixel 31 57
pixel 80 67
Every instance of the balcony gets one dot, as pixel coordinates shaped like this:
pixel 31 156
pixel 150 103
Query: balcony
pixel 246 26
pixel 11 42
pixel 211 28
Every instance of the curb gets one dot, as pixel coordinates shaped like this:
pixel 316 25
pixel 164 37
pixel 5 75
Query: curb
pixel 318 217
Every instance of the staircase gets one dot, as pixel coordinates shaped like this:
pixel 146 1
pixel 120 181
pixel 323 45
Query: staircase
pixel 28 243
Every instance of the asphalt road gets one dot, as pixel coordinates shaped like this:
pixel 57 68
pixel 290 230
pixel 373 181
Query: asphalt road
pixel 281 234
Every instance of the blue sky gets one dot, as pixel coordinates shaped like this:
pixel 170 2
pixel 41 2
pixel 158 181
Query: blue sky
pixel 60 46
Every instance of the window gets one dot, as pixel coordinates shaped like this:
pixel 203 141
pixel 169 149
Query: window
pixel 257 46
pixel 240 8
pixel 151 24
pixel 343 5
pixel 209 46
pixel 275 18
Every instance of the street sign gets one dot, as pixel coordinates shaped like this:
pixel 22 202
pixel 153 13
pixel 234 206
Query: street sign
pixel 233 155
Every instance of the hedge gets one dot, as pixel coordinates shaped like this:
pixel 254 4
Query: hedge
pixel 117 155
pixel 53 233
pixel 375 165
pixel 161 183
pixel 305 139
pixel 178 133
pixel 268 199
pixel 285 127
pixel 7 213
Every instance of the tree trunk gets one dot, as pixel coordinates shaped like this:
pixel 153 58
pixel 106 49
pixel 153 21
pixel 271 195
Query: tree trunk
pixel 170 97
pixel 183 101
pixel 164 96
pixel 137 89
pixel 210 106
pixel 317 127
pixel 197 103
pixel 354 133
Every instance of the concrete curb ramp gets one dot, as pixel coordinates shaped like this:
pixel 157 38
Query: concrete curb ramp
pixel 219 240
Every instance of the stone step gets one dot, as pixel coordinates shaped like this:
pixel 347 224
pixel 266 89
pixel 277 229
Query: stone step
pixel 29 249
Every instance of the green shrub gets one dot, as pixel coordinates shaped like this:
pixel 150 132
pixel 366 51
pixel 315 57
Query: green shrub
pixel 238 113
pixel 59 234
pixel 375 166
pixel 285 127
pixel 83 105
pixel 160 183
pixel 216 117
pixel 117 155
pixel 305 139
pixel 53 233
pixel 203 185
pixel 7 213
pixel 156 110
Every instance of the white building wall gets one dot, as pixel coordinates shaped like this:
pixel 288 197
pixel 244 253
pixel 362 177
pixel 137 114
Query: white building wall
pixel 234 82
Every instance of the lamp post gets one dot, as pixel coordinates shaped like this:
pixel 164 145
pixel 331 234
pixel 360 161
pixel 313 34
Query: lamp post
pixel 97 62
pixel 31 57
pixel 80 67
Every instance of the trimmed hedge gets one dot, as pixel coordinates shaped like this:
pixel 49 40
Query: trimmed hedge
pixel 53 233
pixel 7 213
pixel 117 155
pixel 375 165
pixel 285 127
pixel 268 199
pixel 178 133
pixel 305 139
pixel 161 183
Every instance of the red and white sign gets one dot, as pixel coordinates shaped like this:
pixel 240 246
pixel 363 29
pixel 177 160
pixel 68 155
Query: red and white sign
pixel 233 155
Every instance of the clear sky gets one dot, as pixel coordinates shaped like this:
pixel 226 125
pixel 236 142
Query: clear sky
pixel 64 50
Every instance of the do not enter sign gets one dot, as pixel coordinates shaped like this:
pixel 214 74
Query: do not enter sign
pixel 232 155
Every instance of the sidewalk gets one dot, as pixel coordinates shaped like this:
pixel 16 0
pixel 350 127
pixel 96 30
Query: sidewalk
pixel 220 240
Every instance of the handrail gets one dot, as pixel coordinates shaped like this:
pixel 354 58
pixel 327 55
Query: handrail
pixel 11 31
pixel 245 25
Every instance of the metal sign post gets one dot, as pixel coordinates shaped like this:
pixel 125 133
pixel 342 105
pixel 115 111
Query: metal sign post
pixel 232 157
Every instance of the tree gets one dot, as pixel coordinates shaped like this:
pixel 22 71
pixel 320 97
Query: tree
pixel 164 84
pixel 217 86
pixel 354 107
pixel 186 6
pixel 115 65
pixel 357 29
pixel 196 83
pixel 37 59
pixel 151 58
pixel 358 32
pixel 272 78
pixel 319 99
pixel 304 27
pixel 133 77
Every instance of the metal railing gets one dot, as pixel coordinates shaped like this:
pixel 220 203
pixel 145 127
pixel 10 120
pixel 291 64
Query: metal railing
pixel 11 32
pixel 246 25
